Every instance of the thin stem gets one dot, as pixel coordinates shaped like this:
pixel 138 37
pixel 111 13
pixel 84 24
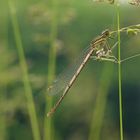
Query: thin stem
pixel 3 86
pixel 131 57
pixel 119 74
pixel 137 26
pixel 3 125
pixel 51 69
pixel 22 60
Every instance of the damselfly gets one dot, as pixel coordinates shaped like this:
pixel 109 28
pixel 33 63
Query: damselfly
pixel 99 48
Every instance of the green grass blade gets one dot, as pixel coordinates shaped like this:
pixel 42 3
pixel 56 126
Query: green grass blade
pixel 3 125
pixel 27 87
pixel 3 85
pixel 48 128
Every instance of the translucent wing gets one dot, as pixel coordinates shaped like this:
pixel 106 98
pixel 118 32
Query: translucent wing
pixel 63 79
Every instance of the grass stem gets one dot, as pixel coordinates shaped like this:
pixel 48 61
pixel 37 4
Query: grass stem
pixel 51 69
pixel 119 74
pixel 22 60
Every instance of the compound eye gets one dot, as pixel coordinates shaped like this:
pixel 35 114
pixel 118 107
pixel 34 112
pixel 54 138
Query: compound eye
pixel 105 33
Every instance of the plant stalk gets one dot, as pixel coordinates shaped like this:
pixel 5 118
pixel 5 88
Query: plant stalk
pixel 119 75
pixel 23 65
pixel 48 129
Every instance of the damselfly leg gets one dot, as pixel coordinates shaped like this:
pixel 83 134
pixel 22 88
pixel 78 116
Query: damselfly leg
pixel 106 55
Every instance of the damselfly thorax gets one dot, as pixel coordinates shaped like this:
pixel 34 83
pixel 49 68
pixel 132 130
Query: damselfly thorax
pixel 100 44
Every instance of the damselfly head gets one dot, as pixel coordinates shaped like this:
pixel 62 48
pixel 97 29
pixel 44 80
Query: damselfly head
pixel 105 33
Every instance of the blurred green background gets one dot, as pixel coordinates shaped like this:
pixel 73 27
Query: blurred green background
pixel 38 40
